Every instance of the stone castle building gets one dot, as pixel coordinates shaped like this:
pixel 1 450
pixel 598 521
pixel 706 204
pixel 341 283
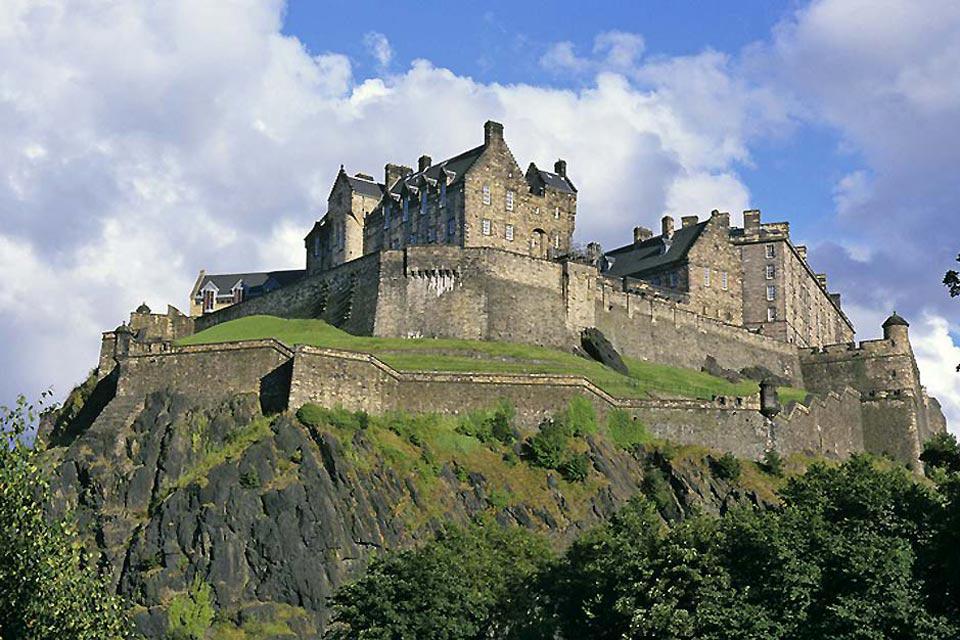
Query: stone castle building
pixel 473 248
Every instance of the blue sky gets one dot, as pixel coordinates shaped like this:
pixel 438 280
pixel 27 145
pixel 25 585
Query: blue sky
pixel 142 142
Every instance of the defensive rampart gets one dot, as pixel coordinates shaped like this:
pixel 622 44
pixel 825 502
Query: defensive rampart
pixel 491 294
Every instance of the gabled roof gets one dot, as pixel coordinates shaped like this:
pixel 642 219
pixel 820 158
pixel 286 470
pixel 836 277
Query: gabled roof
pixel 257 282
pixel 455 168
pixel 368 188
pixel 654 253
pixel 556 181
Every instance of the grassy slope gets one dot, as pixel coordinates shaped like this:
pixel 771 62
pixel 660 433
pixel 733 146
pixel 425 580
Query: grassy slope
pixel 427 354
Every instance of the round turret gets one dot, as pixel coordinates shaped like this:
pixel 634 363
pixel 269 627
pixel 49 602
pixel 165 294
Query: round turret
pixel 895 328
pixel 123 328
pixel 143 308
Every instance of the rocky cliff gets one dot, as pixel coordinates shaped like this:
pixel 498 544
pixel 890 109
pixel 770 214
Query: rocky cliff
pixel 274 514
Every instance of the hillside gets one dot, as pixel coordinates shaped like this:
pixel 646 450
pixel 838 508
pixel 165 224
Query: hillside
pixel 275 512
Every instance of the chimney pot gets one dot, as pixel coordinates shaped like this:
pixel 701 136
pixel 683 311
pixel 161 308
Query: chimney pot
pixel 689 221
pixel 560 168
pixel 492 131
pixel 641 234
pixel 423 162
pixel 666 227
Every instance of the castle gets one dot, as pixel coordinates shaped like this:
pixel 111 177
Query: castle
pixel 473 247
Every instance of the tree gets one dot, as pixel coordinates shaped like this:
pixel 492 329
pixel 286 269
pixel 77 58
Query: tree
pixel 952 281
pixel 467 583
pixel 49 587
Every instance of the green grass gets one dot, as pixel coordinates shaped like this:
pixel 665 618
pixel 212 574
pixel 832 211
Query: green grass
pixel 239 441
pixel 449 355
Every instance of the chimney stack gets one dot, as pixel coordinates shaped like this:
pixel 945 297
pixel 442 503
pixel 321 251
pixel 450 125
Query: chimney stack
pixel 689 221
pixel 641 234
pixel 722 218
pixel 751 222
pixel 560 168
pixel 423 163
pixel 492 131
pixel 393 172
pixel 666 227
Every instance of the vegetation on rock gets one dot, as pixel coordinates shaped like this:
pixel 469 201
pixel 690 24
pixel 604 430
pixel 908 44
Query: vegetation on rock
pixel 859 550
pixel 49 586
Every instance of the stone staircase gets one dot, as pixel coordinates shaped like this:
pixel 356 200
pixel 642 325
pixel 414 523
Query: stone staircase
pixel 119 414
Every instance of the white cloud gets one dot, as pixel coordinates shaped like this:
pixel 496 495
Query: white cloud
pixel 561 56
pixel 379 47
pixel 938 356
pixel 619 49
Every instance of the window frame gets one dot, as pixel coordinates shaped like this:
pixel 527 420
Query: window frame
pixel 771 314
pixel 724 281
pixel 508 232
pixel 706 277
pixel 771 292
pixel 770 272
pixel 486 226
pixel 770 251
pixel 508 200
pixel 485 194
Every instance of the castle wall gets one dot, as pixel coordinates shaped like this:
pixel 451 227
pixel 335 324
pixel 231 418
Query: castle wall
pixel 831 426
pixel 345 296
pixel 714 273
pixel 358 381
pixel 207 370
pixel 657 330
pixel 891 427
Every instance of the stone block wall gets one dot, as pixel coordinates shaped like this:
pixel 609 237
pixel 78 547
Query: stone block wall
pixel 661 331
pixel 206 371
pixel 831 426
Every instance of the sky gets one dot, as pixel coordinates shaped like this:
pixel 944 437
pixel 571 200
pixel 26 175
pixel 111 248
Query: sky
pixel 142 142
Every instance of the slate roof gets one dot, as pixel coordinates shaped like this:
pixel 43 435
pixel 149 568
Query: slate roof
pixel 556 181
pixel 654 253
pixel 368 188
pixel 254 283
pixel 458 166
pixel 893 320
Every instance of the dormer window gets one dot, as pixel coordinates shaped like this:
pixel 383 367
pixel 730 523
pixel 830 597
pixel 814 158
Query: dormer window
pixel 486 194
pixel 238 294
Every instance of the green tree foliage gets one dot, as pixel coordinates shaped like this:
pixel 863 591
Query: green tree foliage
pixel 727 467
pixel 952 281
pixel 941 452
pixel 467 583
pixel 191 614
pixel 856 551
pixel 49 587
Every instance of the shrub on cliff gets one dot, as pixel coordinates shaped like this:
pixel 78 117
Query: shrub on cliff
pixel 49 586
pixel 941 452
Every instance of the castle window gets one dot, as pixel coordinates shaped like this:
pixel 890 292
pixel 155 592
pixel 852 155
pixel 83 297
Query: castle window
pixel 771 272
pixel 556 241
pixel 423 202
pixel 723 280
pixel 536 211
pixel 443 194
pixel 406 208
pixel 509 200
pixel 771 314
pixel 706 276
pixel 451 227
pixel 556 213
pixel 771 292
pixel 209 300
pixel 509 232
pixel 486 194
pixel 485 226
pixel 771 251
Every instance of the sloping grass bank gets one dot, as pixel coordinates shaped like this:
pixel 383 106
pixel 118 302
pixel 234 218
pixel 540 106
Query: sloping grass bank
pixel 444 354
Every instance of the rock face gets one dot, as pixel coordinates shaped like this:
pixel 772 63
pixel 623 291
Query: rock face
pixel 602 350
pixel 275 516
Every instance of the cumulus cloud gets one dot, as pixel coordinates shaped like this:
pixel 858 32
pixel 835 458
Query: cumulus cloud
pixel 937 357
pixel 618 51
pixel 379 47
